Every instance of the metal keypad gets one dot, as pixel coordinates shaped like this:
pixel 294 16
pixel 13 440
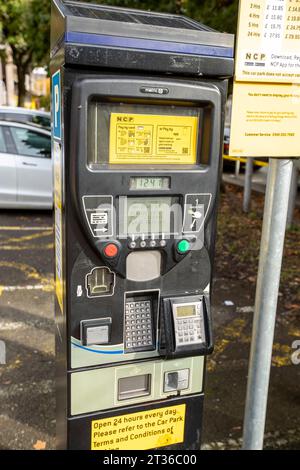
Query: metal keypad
pixel 138 325
pixel 188 329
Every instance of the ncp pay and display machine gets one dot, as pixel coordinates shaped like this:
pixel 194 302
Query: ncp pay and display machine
pixel 137 107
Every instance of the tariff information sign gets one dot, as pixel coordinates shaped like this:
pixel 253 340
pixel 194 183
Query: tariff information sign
pixel 265 120
pixel 150 139
pixel 268 41
pixel 139 431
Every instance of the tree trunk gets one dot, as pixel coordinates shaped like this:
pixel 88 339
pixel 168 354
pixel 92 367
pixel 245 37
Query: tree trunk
pixel 21 72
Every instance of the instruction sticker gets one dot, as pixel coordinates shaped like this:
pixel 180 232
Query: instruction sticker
pixel 265 120
pixel 139 431
pixel 151 139
pixel 57 158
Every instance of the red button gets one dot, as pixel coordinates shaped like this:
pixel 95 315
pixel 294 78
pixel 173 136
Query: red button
pixel 111 250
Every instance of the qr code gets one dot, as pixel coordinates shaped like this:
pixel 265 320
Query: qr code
pixel 185 150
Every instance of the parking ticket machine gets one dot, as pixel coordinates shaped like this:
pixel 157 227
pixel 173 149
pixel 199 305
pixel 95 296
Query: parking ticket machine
pixel 137 123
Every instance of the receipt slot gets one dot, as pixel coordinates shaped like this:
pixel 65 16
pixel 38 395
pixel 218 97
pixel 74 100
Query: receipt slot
pixel 137 109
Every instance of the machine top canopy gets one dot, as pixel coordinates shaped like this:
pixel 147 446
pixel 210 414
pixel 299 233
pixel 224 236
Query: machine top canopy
pixel 128 30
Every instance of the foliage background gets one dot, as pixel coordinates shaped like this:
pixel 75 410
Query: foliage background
pixel 25 25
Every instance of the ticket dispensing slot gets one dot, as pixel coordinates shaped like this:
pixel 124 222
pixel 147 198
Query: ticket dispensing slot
pixel 133 387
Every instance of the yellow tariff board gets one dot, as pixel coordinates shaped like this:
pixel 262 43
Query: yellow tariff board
pixel 151 139
pixel 265 120
pixel 139 431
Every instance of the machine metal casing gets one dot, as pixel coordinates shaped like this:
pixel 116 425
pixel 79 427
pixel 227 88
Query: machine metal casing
pixel 107 59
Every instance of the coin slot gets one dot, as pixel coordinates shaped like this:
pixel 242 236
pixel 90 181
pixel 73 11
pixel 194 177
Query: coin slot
pixel 100 281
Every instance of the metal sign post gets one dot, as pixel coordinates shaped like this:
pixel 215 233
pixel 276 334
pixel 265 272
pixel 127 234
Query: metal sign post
pixel 263 89
pixel 248 185
pixel 271 249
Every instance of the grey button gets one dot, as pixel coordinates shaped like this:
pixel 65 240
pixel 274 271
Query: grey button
pixel 143 244
pixel 162 242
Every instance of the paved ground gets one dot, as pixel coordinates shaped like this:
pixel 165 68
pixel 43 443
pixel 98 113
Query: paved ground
pixel 27 403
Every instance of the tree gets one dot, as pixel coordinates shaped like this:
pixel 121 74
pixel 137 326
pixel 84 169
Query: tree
pixel 25 27
pixel 218 14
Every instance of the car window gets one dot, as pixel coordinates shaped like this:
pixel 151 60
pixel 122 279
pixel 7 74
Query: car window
pixel 31 143
pixel 2 141
pixel 42 121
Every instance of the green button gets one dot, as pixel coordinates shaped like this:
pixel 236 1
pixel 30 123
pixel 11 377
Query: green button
pixel 183 246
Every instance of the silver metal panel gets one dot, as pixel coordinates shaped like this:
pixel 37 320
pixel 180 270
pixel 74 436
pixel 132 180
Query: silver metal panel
pixel 143 265
pixel 142 31
pixel 98 389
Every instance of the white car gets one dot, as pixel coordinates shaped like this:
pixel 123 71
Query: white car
pixel 26 170
pixel 28 116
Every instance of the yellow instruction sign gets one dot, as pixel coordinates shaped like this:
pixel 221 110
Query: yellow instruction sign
pixel 265 120
pixel 152 139
pixel 139 431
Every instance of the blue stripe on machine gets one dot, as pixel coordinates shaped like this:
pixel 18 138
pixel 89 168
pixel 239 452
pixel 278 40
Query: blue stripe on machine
pixel 147 44
pixel 98 351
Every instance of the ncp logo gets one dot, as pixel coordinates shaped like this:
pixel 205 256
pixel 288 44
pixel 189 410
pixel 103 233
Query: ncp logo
pixel 255 56
pixel 125 119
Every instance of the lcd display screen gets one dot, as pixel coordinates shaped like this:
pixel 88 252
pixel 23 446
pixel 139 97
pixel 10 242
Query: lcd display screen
pixel 149 215
pixel 149 183
pixel 185 310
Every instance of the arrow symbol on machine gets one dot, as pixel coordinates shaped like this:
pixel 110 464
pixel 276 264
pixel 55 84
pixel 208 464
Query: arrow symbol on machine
pixel 101 229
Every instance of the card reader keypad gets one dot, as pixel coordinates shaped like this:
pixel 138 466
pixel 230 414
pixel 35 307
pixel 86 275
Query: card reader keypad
pixel 138 325
pixel 188 330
